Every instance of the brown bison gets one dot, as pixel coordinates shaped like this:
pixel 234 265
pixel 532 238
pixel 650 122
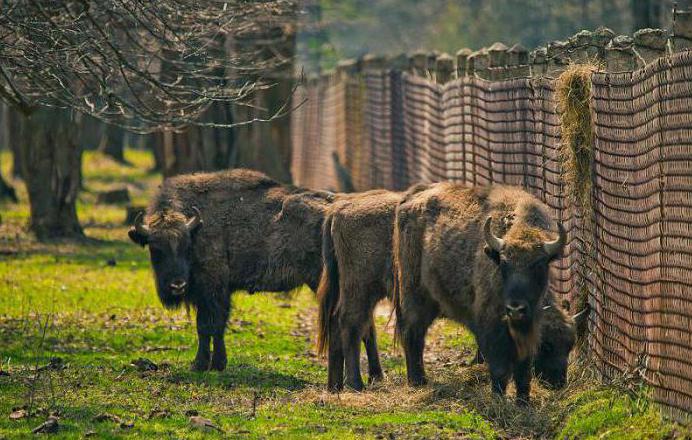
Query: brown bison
pixel 357 253
pixel 450 261
pixel 211 234
pixel 357 249
pixel 558 337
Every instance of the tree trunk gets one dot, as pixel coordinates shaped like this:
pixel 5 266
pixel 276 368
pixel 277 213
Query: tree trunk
pixel 51 159
pixel 9 128
pixel 112 143
pixel 6 190
pixel 155 143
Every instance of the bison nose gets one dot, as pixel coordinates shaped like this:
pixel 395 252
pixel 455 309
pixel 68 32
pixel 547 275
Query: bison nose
pixel 178 287
pixel 516 309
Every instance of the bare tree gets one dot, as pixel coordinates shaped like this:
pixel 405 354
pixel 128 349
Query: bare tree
pixel 146 66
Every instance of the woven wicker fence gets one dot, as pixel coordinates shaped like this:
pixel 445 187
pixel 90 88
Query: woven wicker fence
pixel 629 253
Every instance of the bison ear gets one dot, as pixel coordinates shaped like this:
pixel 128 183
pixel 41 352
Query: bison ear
pixel 136 237
pixel 492 254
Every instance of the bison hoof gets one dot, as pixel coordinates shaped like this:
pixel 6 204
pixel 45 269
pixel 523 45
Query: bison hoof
pixel 199 365
pixel 356 386
pixel 375 377
pixel 335 387
pixel 417 381
pixel 218 364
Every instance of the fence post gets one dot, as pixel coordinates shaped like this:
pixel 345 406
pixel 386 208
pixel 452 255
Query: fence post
pixel 649 45
pixel 558 57
pixel 682 30
pixel 479 63
pixel 444 67
pixel 497 57
pixel 418 63
pixel 462 59
pixel 539 62
pixel 601 38
pixel 620 56
pixel 518 62
pixel 430 64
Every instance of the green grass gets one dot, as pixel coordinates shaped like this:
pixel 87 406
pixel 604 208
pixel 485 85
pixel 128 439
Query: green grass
pixel 93 305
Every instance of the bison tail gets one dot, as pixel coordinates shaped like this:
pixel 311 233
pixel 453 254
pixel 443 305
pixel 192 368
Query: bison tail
pixel 328 289
pixel 396 276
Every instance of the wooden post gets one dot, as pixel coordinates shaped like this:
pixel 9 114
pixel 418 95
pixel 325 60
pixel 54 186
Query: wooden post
pixel 620 56
pixel 582 48
pixel 419 63
pixel 431 61
pixel 649 45
pixel 462 60
pixel 497 57
pixel 518 62
pixel 539 62
pixel 444 67
pixel 600 39
pixel 558 58
pixel 479 61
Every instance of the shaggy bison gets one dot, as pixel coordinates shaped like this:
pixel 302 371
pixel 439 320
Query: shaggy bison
pixel 357 248
pixel 450 261
pixel 558 337
pixel 357 253
pixel 211 234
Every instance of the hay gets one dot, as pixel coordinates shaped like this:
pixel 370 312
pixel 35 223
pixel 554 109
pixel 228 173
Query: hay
pixel 576 125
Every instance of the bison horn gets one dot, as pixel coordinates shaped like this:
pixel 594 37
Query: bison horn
pixel 553 247
pixel 585 310
pixel 195 221
pixel 491 240
pixel 140 227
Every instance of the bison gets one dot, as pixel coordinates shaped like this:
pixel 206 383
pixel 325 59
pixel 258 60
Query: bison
pixel 211 234
pixel 558 337
pixel 357 253
pixel 449 261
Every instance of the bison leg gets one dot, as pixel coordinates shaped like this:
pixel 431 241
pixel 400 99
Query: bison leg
pixel 218 326
pixel 374 368
pixel 335 371
pixel 350 338
pixel 413 338
pixel 496 347
pixel 201 362
pixel 522 381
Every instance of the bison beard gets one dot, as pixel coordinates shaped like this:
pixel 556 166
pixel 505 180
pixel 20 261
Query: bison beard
pixel 449 261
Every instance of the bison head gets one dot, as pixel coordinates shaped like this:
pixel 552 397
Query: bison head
pixel 169 238
pixel 558 337
pixel 524 273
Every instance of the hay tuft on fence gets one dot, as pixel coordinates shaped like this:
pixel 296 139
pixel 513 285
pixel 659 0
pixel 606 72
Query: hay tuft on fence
pixel 573 89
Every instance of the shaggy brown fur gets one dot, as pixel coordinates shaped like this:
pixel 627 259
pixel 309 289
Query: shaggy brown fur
pixel 444 268
pixel 357 274
pixel 255 235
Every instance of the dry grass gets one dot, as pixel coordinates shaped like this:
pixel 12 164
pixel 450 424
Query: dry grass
pixel 577 150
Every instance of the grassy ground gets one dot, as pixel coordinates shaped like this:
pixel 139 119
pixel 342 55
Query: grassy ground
pixel 75 318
